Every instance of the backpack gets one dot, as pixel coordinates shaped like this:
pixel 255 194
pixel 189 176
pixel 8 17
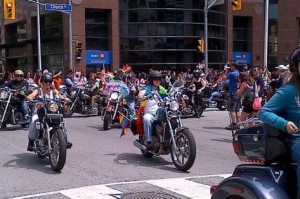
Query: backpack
pixel 249 97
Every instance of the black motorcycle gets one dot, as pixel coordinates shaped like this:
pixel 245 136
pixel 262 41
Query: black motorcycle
pixel 80 102
pixel 51 135
pixel 169 135
pixel 115 104
pixel 273 176
pixel 187 107
pixel 10 107
pixel 219 101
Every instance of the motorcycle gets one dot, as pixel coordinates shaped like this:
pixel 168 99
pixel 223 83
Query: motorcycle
pixel 273 175
pixel 169 135
pixel 219 102
pixel 10 107
pixel 80 100
pixel 185 107
pixel 51 133
pixel 115 105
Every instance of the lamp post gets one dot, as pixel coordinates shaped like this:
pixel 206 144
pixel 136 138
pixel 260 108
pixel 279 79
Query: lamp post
pixel 39 35
pixel 70 40
pixel 266 33
pixel 207 6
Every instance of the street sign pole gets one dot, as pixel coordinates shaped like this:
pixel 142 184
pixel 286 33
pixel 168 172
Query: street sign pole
pixel 266 33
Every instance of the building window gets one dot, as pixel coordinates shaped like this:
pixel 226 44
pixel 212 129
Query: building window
pixel 240 34
pixel 272 43
pixel 97 29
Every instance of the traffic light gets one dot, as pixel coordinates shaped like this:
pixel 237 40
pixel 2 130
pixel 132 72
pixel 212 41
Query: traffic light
pixel 201 45
pixel 78 50
pixel 236 4
pixel 9 9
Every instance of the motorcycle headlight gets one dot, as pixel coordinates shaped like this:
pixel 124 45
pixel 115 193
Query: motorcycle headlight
pixel 114 96
pixel 53 107
pixel 174 106
pixel 4 95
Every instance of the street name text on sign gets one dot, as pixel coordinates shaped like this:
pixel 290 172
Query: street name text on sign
pixel 58 7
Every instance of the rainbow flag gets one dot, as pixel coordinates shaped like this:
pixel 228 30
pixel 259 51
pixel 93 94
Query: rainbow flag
pixel 124 122
pixel 140 126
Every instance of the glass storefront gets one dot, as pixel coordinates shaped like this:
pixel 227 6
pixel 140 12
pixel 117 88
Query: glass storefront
pixel 164 34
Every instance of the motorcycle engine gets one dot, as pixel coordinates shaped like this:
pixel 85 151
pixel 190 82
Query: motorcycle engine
pixel 159 130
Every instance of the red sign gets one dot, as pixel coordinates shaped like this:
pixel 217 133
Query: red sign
pixel 102 55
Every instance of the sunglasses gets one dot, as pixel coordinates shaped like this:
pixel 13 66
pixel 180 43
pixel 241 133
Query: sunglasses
pixel 157 79
pixel 50 82
pixel 19 75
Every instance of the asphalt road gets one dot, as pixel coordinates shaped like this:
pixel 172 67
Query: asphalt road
pixel 102 157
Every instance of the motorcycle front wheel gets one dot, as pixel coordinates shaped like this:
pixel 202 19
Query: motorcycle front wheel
pixel 222 105
pixel 2 125
pixel 184 155
pixel 58 154
pixel 107 121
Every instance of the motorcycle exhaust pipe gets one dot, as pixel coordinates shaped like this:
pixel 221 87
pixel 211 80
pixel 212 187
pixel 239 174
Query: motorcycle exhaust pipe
pixel 139 145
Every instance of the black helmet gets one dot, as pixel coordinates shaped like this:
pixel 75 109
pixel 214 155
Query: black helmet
pixel 153 75
pixel 295 58
pixel 196 71
pixel 47 78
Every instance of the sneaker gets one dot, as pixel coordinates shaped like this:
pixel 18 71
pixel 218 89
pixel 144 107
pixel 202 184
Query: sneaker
pixel 69 145
pixel 232 127
pixel 30 145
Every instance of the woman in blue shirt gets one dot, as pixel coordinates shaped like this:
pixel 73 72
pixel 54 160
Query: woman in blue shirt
pixel 283 112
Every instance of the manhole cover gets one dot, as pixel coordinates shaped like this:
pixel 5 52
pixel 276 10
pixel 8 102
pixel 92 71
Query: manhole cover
pixel 148 195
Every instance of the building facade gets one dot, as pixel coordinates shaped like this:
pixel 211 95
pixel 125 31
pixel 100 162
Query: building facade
pixel 161 34
pixel 246 32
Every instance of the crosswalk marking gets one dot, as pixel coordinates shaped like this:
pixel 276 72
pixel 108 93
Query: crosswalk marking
pixel 91 192
pixel 184 187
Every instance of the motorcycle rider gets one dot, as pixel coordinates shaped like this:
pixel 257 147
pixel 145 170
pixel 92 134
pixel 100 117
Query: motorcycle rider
pixel 283 112
pixel 151 111
pixel 199 82
pixel 190 89
pixel 20 83
pixel 130 99
pixel 46 88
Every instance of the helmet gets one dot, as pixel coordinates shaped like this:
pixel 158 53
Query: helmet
pixel 153 75
pixel 46 78
pixel 295 59
pixel 19 72
pixel 196 71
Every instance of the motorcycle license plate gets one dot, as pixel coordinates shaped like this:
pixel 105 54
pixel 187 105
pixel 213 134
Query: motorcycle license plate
pixel 109 108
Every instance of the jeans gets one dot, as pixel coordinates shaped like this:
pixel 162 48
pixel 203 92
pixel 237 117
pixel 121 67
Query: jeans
pixel 148 120
pixel 214 94
pixel 131 109
pixel 25 108
pixel 295 154
pixel 32 134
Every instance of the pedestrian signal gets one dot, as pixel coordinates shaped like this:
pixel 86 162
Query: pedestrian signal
pixel 78 50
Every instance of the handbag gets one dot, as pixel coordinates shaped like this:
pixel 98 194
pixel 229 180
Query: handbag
pixel 256 105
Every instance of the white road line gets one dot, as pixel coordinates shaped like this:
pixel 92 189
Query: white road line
pixel 181 186
pixel 91 192
pixel 184 187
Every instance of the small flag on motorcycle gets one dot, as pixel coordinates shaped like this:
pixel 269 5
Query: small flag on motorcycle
pixel 124 122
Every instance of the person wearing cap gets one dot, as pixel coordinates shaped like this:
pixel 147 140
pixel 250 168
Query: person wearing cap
pixel 234 101
pixel 20 84
pixel 283 71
